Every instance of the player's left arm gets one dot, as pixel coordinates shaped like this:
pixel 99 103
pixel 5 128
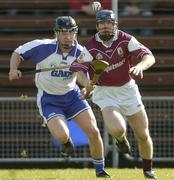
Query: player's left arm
pixel 139 51
pixel 146 62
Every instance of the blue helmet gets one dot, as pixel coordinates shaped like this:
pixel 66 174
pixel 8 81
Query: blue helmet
pixel 65 23
pixel 106 14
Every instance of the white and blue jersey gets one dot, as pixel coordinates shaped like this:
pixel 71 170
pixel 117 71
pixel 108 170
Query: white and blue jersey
pixel 57 89
pixel 46 54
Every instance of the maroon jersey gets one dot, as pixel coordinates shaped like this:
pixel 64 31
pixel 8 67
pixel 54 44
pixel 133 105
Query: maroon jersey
pixel 119 55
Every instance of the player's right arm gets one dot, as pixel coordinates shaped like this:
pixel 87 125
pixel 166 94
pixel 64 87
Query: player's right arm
pixel 15 61
pixel 24 52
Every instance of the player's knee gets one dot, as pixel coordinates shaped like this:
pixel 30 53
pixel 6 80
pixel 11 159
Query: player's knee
pixel 93 133
pixel 143 136
pixel 61 138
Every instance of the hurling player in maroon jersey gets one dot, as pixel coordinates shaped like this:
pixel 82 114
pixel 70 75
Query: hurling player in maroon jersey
pixel 116 92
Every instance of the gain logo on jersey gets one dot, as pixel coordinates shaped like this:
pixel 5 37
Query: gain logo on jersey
pixel 120 51
pixel 61 73
pixel 99 56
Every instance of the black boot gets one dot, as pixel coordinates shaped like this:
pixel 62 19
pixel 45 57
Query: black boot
pixel 67 149
pixel 103 174
pixel 123 145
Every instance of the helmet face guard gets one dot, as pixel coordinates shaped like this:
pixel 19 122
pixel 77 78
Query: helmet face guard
pixel 106 15
pixel 65 24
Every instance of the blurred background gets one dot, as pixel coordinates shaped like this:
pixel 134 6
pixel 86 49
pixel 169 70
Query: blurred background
pixel 24 141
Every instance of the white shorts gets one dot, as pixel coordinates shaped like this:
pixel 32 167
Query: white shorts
pixel 126 99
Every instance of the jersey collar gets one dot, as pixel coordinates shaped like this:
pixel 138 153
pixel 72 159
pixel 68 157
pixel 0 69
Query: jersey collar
pixel 71 53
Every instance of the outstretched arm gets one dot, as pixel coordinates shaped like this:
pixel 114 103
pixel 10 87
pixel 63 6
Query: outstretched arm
pixel 146 62
pixel 14 64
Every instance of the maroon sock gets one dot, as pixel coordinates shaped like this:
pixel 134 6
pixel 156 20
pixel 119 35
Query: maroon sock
pixel 147 164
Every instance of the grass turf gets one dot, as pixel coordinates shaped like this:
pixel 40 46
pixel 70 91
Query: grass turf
pixel 80 174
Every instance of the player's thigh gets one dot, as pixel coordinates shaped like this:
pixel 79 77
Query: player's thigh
pixel 58 128
pixel 86 120
pixel 139 122
pixel 113 119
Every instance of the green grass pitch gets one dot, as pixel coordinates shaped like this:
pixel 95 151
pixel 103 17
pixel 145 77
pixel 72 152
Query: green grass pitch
pixel 80 174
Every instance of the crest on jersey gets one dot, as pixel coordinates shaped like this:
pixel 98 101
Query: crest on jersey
pixel 53 65
pixel 120 51
pixel 80 59
pixel 99 56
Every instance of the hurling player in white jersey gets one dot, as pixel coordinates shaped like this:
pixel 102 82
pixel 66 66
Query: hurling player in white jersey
pixel 58 97
pixel 116 93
